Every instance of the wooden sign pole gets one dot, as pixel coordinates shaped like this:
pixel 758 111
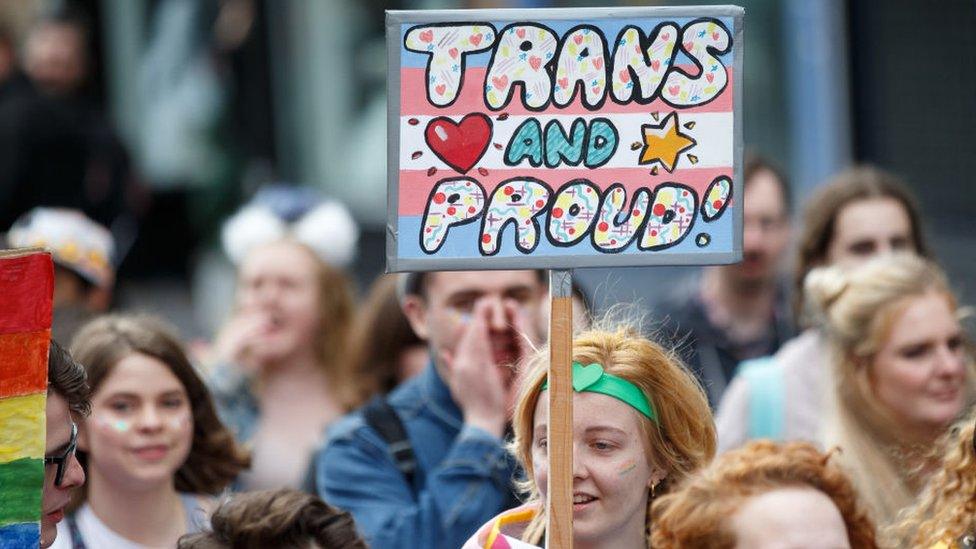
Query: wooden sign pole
pixel 559 532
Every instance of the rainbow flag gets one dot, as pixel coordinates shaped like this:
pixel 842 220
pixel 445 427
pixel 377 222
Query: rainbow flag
pixel 27 288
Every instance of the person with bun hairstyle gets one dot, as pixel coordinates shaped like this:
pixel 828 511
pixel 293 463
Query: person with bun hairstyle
pixel 765 495
pixel 863 212
pixel 944 517
pixel 901 376
pixel 154 451
pixel 283 368
pixel 641 425
pixel 284 519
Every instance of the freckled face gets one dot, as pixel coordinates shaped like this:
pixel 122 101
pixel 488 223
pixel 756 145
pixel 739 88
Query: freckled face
pixel 612 473
pixel 141 428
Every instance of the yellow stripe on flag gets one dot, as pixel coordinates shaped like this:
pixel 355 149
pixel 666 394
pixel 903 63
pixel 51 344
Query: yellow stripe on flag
pixel 22 427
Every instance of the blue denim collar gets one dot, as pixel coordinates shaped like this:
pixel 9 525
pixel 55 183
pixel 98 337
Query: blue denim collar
pixel 438 395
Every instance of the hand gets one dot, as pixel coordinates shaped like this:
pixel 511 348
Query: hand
pixel 235 343
pixel 477 384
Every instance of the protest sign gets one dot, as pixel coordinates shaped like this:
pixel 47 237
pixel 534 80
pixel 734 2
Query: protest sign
pixel 27 286
pixel 564 138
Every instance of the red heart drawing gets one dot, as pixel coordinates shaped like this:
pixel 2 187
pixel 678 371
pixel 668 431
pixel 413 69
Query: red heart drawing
pixel 563 83
pixel 656 65
pixel 476 39
pixel 459 144
pixel 500 81
pixel 453 52
pixel 578 39
pixel 688 46
pixel 520 32
pixel 427 35
pixel 535 62
pixel 709 77
pixel 666 36
pixel 673 90
pixel 440 89
pixel 598 62
pixel 715 36
pixel 624 76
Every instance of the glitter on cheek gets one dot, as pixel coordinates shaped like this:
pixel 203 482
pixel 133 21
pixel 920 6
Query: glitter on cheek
pixel 627 467
pixel 118 426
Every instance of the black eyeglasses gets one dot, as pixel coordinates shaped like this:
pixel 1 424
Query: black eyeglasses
pixel 62 460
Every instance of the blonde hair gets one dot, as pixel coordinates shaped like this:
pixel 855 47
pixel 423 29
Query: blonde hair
pixel 683 440
pixel 946 509
pixel 857 310
pixel 699 513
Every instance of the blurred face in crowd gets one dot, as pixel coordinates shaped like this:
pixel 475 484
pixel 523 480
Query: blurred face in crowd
pixel 790 518
pixel 766 229
pixel 919 371
pixel 141 427
pixel 612 473
pixel 58 445
pixel 865 228
pixel 55 58
pixel 278 288
pixel 442 316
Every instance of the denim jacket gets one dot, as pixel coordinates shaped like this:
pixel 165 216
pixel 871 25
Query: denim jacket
pixel 463 478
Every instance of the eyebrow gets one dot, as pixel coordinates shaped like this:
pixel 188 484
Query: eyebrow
pixel 607 428
pixel 136 396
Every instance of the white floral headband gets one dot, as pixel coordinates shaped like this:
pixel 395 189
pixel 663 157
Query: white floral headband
pixel 328 229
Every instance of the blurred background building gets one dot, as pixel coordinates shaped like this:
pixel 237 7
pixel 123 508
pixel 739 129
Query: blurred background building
pixel 198 102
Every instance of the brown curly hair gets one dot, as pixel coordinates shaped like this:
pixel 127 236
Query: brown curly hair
pixel 276 518
pixel 215 458
pixel 946 509
pixel 698 514
pixel 681 443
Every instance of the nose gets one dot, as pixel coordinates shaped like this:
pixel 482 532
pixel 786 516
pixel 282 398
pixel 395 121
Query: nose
pixel 579 466
pixel 74 476
pixel 496 314
pixel 150 419
pixel 949 363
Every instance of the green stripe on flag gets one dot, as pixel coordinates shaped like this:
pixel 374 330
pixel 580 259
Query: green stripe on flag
pixel 21 489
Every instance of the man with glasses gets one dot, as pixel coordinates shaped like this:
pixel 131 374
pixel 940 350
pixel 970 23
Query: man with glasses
pixel 67 395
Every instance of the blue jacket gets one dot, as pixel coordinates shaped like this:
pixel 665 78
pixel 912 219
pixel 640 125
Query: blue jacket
pixel 463 478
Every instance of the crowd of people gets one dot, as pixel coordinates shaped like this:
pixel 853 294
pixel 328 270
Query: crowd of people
pixel 415 417
pixel 824 404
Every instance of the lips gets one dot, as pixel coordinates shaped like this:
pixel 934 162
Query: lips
pixel 154 452
pixel 56 516
pixel 582 501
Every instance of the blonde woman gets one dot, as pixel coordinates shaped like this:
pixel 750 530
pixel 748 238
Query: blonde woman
pixel 641 424
pixel 944 517
pixel 901 371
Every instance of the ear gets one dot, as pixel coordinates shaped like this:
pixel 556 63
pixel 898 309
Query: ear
pixel 415 309
pixel 657 475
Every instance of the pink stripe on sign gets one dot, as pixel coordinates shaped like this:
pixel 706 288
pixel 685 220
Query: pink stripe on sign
pixel 416 185
pixel 413 98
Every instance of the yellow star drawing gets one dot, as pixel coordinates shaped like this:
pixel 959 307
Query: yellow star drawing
pixel 664 143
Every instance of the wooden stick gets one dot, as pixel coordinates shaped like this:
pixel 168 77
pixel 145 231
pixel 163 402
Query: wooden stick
pixel 559 532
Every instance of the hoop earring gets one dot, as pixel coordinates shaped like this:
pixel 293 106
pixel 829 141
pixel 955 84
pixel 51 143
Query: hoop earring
pixel 653 486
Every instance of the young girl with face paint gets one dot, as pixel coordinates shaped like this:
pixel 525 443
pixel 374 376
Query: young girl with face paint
pixel 153 448
pixel 641 424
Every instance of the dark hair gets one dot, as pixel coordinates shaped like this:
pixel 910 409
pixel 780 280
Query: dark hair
pixel 381 334
pixel 416 283
pixel 215 458
pixel 68 379
pixel 755 163
pixel 820 216
pixel 284 518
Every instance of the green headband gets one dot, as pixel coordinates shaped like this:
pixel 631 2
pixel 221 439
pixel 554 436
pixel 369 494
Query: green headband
pixel 594 379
